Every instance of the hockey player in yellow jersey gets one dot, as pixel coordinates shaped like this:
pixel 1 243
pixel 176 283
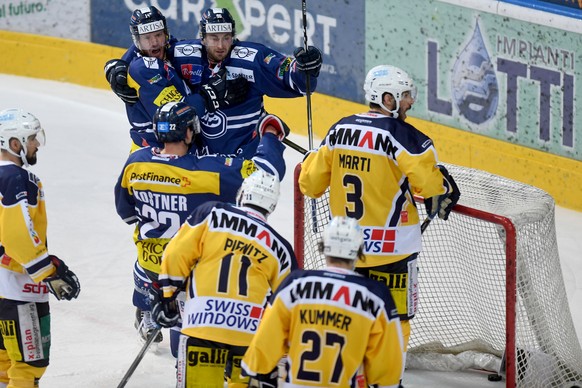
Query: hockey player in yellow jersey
pixel 336 327
pixel 27 271
pixel 228 259
pixel 373 164
pixel 158 188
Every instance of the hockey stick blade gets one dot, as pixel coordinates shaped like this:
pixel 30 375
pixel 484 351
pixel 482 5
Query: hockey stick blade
pixel 295 146
pixel 138 358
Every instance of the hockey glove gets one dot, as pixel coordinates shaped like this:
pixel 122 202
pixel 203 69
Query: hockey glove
pixel 276 123
pixel 221 93
pixel 116 74
pixel 308 61
pixel 64 284
pixel 268 380
pixel 442 205
pixel 165 311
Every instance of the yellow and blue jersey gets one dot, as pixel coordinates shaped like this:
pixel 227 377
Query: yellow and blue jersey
pixel 24 260
pixel 229 259
pixel 330 324
pixel 373 165
pixel 159 191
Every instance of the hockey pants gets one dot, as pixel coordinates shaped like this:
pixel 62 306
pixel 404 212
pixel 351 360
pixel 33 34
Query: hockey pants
pixel 24 343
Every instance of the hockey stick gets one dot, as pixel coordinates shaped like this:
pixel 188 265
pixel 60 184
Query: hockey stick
pixel 425 224
pixel 138 359
pixel 295 146
pixel 307 78
pixel 308 96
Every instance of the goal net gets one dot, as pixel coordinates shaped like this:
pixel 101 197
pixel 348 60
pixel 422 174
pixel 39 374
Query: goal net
pixel 491 290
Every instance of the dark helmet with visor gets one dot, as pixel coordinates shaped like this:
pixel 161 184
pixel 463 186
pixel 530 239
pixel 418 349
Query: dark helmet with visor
pixel 172 120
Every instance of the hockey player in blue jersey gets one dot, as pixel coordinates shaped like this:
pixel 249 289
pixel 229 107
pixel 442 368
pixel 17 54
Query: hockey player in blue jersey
pixel 150 79
pixel 159 188
pixel 230 129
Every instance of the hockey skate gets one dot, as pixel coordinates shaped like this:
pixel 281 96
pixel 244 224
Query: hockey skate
pixel 146 326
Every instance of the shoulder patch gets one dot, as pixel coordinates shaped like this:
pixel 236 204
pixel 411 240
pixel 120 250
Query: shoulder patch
pixel 155 79
pixel 151 63
pixel 245 53
pixel 268 58
pixel 188 50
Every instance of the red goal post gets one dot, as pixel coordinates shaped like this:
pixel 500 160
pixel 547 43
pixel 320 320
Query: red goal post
pixel 490 283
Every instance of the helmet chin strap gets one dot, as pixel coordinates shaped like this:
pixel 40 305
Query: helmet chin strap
pixel 395 111
pixel 21 154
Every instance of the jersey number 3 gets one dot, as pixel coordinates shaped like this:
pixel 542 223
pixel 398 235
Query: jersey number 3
pixel 354 191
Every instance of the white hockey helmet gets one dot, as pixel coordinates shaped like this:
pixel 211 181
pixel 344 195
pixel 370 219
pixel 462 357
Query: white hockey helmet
pixel 19 124
pixel 260 189
pixel 388 79
pixel 343 238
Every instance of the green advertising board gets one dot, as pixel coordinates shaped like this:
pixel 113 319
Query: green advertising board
pixel 484 73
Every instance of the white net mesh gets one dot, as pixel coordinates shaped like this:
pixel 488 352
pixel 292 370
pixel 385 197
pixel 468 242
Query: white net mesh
pixel 462 276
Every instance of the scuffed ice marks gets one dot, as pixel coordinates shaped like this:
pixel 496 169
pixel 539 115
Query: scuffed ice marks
pixel 474 84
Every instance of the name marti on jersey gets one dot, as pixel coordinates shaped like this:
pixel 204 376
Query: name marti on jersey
pixel 249 229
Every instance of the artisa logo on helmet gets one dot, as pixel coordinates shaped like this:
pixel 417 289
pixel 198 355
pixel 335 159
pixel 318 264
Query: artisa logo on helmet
pixel 217 28
pixel 150 27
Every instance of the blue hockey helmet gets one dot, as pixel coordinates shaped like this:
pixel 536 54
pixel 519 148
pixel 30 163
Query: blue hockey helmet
pixel 172 120
pixel 216 20
pixel 146 20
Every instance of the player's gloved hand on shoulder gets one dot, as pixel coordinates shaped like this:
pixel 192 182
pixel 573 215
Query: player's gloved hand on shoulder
pixel 308 61
pixel 64 284
pixel 442 205
pixel 116 74
pixel 165 311
pixel 221 93
pixel 274 123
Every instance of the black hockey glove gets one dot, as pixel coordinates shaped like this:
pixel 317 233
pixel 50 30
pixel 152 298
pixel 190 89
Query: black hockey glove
pixel 268 380
pixel 442 205
pixel 220 93
pixel 165 311
pixel 116 74
pixel 279 125
pixel 308 61
pixel 64 284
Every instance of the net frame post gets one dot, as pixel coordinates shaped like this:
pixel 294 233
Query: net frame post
pixel 510 285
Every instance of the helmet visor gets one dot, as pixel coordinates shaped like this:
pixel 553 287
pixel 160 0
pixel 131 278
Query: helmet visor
pixel 39 136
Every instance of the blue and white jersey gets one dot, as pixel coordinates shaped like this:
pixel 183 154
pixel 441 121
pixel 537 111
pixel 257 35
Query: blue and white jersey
pixel 157 83
pixel 230 131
